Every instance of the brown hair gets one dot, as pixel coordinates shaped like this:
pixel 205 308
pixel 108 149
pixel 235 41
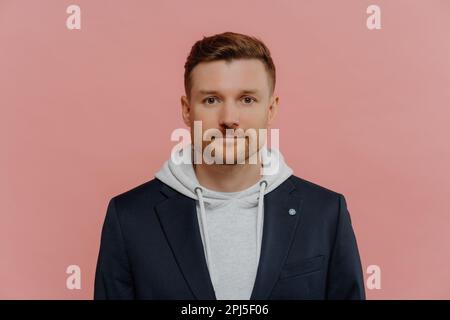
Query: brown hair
pixel 227 46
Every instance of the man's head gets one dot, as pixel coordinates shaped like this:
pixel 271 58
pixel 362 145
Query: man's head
pixel 229 81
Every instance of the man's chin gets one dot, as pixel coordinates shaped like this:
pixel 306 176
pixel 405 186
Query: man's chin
pixel 228 151
pixel 231 157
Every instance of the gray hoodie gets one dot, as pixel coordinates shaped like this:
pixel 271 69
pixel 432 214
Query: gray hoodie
pixel 231 223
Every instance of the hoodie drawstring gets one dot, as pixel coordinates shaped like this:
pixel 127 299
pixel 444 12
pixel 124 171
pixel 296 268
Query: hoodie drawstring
pixel 260 219
pixel 204 228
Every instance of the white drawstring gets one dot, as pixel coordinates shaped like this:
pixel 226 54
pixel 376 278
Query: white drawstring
pixel 260 219
pixel 204 229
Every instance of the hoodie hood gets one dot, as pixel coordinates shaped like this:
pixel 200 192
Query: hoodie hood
pixel 178 173
pixel 181 176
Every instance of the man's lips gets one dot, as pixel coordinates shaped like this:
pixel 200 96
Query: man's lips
pixel 228 138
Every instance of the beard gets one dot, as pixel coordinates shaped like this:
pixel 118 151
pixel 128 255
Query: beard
pixel 231 150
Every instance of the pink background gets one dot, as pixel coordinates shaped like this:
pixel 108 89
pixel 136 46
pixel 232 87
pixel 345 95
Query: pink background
pixel 87 114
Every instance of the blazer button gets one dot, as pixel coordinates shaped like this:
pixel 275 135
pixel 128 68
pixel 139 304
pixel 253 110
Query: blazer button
pixel 292 211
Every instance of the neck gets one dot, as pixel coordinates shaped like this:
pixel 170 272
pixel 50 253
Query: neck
pixel 228 177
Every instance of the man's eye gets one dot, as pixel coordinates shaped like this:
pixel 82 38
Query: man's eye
pixel 209 100
pixel 248 100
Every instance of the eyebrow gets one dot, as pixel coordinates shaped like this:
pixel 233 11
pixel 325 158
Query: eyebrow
pixel 250 91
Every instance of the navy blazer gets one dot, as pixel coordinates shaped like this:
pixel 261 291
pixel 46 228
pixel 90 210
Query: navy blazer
pixel 151 246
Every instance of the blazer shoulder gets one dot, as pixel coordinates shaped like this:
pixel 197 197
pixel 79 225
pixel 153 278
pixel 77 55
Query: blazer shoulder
pixel 144 193
pixel 312 189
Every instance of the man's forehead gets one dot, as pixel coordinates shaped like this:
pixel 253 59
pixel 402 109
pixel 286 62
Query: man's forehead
pixel 221 68
pixel 245 76
pixel 218 91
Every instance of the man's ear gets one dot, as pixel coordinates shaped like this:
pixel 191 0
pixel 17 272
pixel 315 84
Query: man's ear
pixel 273 110
pixel 186 111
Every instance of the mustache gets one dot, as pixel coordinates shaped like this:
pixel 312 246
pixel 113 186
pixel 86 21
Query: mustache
pixel 233 133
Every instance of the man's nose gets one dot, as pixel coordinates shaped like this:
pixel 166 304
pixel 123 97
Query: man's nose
pixel 229 116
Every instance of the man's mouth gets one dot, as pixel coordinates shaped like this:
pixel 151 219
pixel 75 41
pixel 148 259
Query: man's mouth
pixel 228 139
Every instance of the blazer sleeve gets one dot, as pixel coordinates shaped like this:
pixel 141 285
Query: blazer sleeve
pixel 113 278
pixel 345 278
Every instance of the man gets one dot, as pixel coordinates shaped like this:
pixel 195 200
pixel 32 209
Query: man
pixel 227 229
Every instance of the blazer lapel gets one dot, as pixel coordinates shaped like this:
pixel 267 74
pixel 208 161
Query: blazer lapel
pixel 178 218
pixel 278 232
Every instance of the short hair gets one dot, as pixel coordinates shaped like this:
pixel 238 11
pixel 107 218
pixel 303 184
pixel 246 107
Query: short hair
pixel 228 46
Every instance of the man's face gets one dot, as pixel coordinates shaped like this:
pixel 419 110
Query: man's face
pixel 230 95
